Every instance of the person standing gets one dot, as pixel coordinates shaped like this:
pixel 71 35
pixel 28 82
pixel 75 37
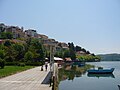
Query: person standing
pixel 42 68
pixel 46 65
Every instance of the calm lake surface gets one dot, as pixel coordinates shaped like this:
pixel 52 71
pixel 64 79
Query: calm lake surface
pixel 72 79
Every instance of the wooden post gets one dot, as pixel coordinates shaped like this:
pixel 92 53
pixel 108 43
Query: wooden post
pixel 55 76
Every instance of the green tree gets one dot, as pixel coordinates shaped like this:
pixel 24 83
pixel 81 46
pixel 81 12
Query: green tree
pixel 10 54
pixel 19 50
pixel 28 56
pixel 87 52
pixel 1 46
pixel 2 54
pixel 78 48
pixel 2 28
pixel 37 49
pixel 83 50
pixel 6 35
pixel 9 35
pixel 66 54
pixel 3 35
pixel 2 63
pixel 72 51
pixel 7 43
pixel 71 46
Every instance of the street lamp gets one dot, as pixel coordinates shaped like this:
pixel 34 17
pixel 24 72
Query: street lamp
pixel 52 52
pixel 52 44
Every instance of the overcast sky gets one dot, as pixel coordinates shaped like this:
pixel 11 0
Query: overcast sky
pixel 92 24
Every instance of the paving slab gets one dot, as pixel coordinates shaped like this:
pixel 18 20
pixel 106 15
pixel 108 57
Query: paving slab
pixel 27 80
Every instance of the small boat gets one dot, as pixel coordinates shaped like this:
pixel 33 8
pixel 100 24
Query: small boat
pixel 101 71
pixel 119 87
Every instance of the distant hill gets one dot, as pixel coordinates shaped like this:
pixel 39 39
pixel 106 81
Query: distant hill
pixel 110 57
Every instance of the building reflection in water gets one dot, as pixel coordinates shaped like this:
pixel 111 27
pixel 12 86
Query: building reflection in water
pixel 71 71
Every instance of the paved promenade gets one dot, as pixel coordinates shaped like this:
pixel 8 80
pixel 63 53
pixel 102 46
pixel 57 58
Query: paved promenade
pixel 27 80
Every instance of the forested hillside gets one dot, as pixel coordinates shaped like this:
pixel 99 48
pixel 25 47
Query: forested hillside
pixel 110 57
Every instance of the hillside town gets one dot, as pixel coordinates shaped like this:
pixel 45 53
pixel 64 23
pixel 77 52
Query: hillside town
pixel 18 34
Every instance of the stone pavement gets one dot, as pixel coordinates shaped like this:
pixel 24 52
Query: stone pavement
pixel 32 79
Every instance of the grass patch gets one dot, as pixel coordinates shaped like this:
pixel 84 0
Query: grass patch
pixel 9 70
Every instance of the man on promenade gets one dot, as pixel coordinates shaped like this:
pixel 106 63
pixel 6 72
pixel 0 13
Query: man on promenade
pixel 46 65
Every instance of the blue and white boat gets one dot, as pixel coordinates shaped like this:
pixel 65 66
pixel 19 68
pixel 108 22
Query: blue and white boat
pixel 101 71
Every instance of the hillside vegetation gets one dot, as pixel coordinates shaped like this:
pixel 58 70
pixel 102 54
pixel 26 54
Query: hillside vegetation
pixel 110 57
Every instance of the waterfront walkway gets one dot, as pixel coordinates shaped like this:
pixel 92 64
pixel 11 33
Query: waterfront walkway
pixel 33 79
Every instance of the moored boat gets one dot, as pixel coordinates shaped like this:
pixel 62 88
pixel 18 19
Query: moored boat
pixel 119 87
pixel 101 71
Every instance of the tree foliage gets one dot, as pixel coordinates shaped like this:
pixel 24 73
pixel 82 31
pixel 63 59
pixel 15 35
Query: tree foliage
pixel 88 58
pixel 72 51
pixel 6 35
pixel 78 48
pixel 2 63
pixel 28 56
pixel 66 54
pixel 7 43
pixel 37 49
pixel 2 54
pixel 17 52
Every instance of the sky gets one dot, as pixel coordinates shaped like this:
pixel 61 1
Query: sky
pixel 91 24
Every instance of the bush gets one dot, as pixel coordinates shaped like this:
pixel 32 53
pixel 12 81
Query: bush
pixel 7 43
pixel 34 63
pixel 2 54
pixel 2 63
pixel 12 63
pixel 28 56
pixel 21 64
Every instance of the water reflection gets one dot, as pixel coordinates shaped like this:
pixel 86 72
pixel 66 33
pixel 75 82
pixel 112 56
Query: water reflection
pixel 71 71
pixel 101 75
pixel 87 81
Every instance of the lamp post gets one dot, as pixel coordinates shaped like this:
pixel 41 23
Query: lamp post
pixel 52 52
pixel 52 44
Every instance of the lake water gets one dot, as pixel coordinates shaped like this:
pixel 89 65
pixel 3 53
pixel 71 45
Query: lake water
pixel 73 80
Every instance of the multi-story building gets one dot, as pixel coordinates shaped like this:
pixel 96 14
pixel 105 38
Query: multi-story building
pixel 50 43
pixel 64 45
pixel 43 37
pixel 80 53
pixel 16 31
pixel 31 33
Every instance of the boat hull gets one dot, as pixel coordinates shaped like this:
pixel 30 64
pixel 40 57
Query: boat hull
pixel 101 71
pixel 101 75
pixel 119 87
